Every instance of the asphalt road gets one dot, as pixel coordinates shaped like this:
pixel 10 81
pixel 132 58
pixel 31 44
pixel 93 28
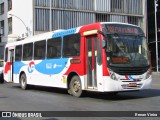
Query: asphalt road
pixel 13 98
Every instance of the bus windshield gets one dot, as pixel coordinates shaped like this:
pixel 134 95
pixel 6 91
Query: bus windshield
pixel 127 50
pixel 126 46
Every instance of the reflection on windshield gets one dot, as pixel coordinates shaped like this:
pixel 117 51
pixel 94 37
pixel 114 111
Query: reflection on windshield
pixel 128 50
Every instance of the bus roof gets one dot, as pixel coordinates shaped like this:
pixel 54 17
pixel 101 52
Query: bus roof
pixel 61 32
pixel 119 23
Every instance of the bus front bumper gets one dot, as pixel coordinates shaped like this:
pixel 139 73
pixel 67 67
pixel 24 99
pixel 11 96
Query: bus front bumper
pixel 115 86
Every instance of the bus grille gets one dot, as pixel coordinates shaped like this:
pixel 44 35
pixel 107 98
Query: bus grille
pixel 131 87
pixel 130 70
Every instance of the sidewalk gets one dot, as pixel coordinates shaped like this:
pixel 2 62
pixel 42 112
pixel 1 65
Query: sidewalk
pixel 156 74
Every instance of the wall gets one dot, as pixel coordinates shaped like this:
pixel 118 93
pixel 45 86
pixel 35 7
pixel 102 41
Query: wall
pixel 66 14
pixel 4 36
pixel 22 18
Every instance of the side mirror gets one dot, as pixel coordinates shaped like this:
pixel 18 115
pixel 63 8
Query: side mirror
pixel 104 45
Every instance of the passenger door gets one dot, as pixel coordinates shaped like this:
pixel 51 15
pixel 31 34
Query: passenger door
pixel 91 61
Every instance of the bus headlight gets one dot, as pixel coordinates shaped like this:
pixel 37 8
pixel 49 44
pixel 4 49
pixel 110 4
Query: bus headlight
pixel 148 74
pixel 112 75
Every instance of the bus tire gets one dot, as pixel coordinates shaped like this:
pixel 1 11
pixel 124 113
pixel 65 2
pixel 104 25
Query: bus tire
pixel 23 81
pixel 1 79
pixel 75 86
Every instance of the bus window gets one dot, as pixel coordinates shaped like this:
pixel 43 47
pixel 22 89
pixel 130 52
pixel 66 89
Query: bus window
pixel 39 50
pixel 18 53
pixel 27 51
pixel 6 54
pixel 54 48
pixel 71 45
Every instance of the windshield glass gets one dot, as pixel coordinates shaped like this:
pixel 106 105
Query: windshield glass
pixel 126 50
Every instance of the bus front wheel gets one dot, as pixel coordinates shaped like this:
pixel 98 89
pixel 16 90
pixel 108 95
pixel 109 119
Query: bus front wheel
pixel 23 81
pixel 75 87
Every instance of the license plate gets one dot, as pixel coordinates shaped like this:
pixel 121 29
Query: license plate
pixel 132 84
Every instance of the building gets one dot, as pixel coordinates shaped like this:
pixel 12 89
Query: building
pixel 21 18
pixel 15 20
pixel 158 32
pixel 153 28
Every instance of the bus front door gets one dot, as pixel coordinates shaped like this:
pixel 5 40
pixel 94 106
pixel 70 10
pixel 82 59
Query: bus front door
pixel 91 61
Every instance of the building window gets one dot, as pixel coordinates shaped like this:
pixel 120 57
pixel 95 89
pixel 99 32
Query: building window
pixel 2 27
pixel 116 5
pixel 102 17
pixel 133 20
pixel 1 8
pixel 9 5
pixel 10 25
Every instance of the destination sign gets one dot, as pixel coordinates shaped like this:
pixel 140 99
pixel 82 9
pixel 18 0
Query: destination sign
pixel 123 29
pixel 119 60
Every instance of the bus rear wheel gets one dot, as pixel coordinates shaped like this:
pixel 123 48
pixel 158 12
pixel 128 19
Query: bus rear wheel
pixel 75 86
pixel 1 78
pixel 23 81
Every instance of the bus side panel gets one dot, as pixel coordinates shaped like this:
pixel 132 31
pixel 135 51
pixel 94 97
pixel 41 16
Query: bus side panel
pixel 77 64
pixel 43 72
pixel 6 72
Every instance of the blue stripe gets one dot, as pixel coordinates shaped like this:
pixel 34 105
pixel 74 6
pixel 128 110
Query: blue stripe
pixel 65 32
pixel 130 77
pixel 18 66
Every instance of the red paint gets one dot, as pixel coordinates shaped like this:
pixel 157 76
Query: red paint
pixel 7 67
pixel 81 68
pixel 127 77
pixel 31 63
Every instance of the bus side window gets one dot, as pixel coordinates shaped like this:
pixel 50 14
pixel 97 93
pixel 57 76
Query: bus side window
pixel 6 55
pixel 28 51
pixel 52 52
pixel 54 48
pixel 40 50
pixel 71 45
pixel 18 53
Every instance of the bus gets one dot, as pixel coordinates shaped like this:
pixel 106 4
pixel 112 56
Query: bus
pixel 106 57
